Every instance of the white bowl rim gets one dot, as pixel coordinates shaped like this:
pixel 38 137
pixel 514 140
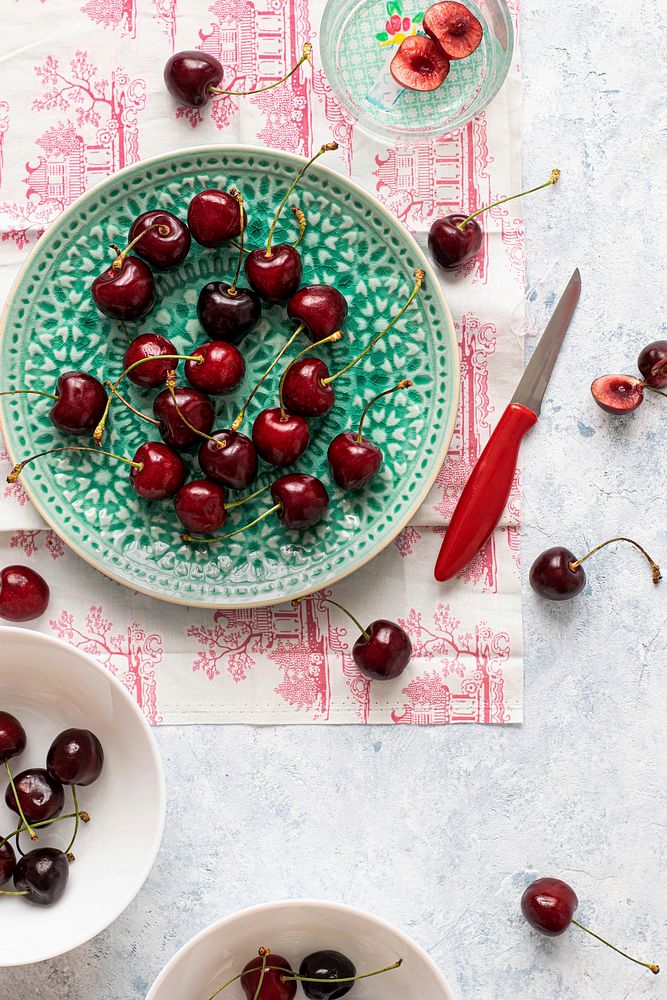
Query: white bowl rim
pixel 93 929
pixel 293 903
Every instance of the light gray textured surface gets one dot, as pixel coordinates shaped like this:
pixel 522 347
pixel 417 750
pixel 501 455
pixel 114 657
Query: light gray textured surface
pixel 438 830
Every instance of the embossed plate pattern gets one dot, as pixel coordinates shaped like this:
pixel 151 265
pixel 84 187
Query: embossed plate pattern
pixel 50 325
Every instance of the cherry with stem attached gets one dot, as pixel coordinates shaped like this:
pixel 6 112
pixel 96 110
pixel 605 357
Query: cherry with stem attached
pixel 229 458
pixel 308 386
pixel 126 290
pixel 280 438
pixel 353 459
pixel 13 742
pixel 320 309
pixel 80 400
pixel 620 394
pixel 202 508
pixel 456 239
pixel 557 574
pixel 275 271
pixel 194 77
pixel 167 239
pixel 185 415
pixel 382 651
pixel 549 904
pixel 652 363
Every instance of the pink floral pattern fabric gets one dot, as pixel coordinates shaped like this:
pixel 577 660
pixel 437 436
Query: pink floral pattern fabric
pixel 79 106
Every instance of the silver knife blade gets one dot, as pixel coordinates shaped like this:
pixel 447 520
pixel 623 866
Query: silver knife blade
pixel 535 379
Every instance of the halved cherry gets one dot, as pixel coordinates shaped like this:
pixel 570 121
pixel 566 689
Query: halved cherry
pixel 419 64
pixel 454 28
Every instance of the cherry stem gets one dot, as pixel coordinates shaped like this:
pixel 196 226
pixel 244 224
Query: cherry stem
pixel 85 818
pixel 646 386
pixel 654 566
pixel 171 386
pixel 347 979
pixel 328 146
pixel 128 404
pixel 405 383
pixel 555 174
pixel 33 835
pixel 655 969
pixel 76 821
pixel 239 197
pixel 241 414
pixel 302 221
pixel 251 496
pixel 122 254
pixel 261 952
pixel 264 952
pixel 14 892
pixel 419 276
pixel 328 600
pixel 30 392
pixel 99 430
pixel 305 57
pixel 125 329
pixel 221 538
pixel 331 339
pixel 18 469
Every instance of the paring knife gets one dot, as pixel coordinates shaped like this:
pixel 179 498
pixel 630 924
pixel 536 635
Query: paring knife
pixel 483 500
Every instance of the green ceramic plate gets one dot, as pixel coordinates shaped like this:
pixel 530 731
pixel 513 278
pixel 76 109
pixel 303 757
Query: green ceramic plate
pixel 50 325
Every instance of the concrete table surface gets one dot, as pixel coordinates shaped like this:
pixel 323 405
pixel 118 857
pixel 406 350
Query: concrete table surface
pixel 439 829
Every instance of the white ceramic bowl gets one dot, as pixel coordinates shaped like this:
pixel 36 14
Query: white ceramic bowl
pixel 50 686
pixel 294 928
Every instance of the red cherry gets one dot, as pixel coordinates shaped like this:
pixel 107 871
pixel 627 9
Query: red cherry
pixel 273 987
pixel 214 217
pixel 235 465
pixel 151 374
pixel 75 757
pixel 166 240
pixel 321 308
pixel 12 736
pixel 454 28
pixel 280 438
pixel 200 506
pixel 419 64
pixel 304 391
pixel 43 873
pixel 172 412
pixel 80 403
pixel 189 75
pixel 228 313
pixel 221 370
pixel 161 473
pixel 652 363
pixel 383 650
pixel 275 276
pixel 41 796
pixel 618 394
pixel 549 905
pixel 126 290
pixel 557 574
pixel 7 862
pixel 24 595
pixel 303 500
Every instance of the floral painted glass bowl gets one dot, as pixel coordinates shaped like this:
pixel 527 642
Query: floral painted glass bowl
pixel 50 325
pixel 358 41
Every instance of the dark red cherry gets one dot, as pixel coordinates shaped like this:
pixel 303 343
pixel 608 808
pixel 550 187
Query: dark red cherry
pixel 194 405
pixel 303 389
pixel 280 438
pixel 200 506
pixel 167 240
pixel 221 370
pixel 125 292
pixel 273 987
pixel 552 577
pixel 456 30
pixel 7 862
pixel 235 465
pixel 214 217
pixel 548 905
pixel 80 403
pixel 226 313
pixel 189 75
pixel 385 652
pixel 151 374
pixel 324 965
pixel 12 737
pixel 162 471
pixel 618 394
pixel 24 595
pixel 277 276
pixel 303 500
pixel 419 64
pixel 652 363
pixel 44 873
pixel 353 463
pixel 41 796
pixel 321 308
pixel 452 247
pixel 75 757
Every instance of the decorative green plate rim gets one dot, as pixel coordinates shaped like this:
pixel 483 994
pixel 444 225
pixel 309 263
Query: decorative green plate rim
pixel 331 577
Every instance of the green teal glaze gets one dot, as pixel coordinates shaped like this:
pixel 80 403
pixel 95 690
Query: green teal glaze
pixel 51 325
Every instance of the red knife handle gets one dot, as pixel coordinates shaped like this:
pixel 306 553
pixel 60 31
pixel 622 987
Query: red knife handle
pixel 483 500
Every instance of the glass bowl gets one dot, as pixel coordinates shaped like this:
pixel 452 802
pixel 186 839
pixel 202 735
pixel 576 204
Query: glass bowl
pixel 358 41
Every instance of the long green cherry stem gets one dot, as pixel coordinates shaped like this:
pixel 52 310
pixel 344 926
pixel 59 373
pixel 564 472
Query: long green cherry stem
pixel 327 600
pixel 76 822
pixel 655 569
pixel 18 469
pixel 331 339
pixel 128 404
pixel 348 979
pixel 239 197
pixel 99 430
pixel 555 174
pixel 33 835
pixel 122 254
pixel 85 818
pixel 644 384
pixel 222 538
pixel 305 57
pixel 327 147
pixel 264 954
pixel 655 969
pixel 28 392
pixel 171 387
pixel 251 496
pixel 419 279
pixel 405 383
pixel 238 420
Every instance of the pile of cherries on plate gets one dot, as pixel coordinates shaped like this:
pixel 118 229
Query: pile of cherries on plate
pixel 37 796
pixel 183 412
